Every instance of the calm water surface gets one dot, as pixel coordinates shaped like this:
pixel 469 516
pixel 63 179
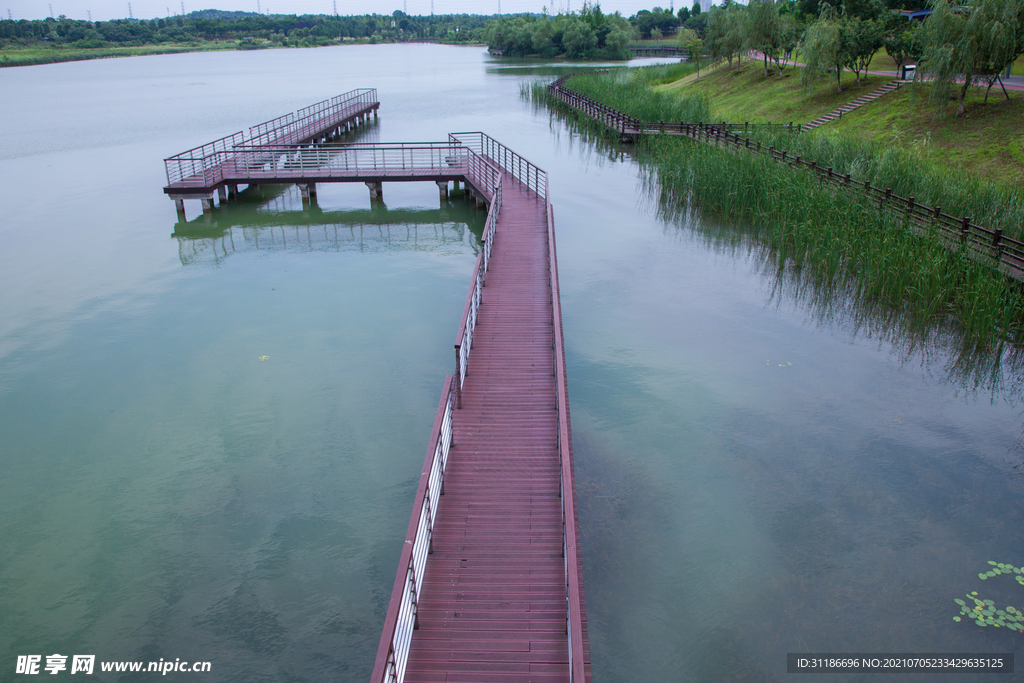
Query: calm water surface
pixel 755 478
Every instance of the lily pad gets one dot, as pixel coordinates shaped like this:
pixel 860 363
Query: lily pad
pixel 982 577
pixel 990 603
pixel 979 622
pixel 956 618
pixel 961 602
pixel 992 563
pixel 990 574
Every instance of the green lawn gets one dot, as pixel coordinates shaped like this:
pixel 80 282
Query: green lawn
pixel 987 141
pixel 746 95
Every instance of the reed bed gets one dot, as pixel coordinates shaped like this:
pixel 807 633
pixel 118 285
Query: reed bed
pixel 630 92
pixel 839 253
pixel 900 167
pixel 828 244
pixel 903 169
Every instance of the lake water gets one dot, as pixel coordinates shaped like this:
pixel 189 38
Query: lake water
pixel 211 434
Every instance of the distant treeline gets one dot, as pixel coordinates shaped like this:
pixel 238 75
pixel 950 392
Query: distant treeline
pixel 246 27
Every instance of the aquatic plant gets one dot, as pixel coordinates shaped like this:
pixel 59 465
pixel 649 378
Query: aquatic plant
pixel 630 92
pixel 984 612
pixel 904 169
pixel 825 246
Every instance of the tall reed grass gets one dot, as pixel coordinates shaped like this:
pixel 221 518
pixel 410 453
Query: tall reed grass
pixel 838 252
pixel 830 242
pixel 903 168
pixel 630 92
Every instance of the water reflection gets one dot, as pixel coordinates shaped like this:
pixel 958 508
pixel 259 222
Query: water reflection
pixel 264 219
pixel 994 366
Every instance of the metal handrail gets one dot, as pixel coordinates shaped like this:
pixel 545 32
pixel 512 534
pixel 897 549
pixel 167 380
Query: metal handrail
pixel 266 162
pixel 467 326
pixel 570 532
pixel 527 173
pixel 282 122
pixel 393 653
pixel 197 163
pixel 312 119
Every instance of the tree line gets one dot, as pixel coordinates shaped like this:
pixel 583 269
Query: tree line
pixel 585 35
pixel 969 43
pixel 296 30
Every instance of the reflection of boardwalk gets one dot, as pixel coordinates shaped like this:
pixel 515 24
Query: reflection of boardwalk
pixel 361 237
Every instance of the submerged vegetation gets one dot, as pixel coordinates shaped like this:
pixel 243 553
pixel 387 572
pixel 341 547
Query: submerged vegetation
pixel 832 250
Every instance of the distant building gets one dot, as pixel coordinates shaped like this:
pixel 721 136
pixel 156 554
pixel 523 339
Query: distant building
pixel 914 15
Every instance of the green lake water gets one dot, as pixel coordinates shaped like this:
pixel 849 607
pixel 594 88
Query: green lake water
pixel 757 474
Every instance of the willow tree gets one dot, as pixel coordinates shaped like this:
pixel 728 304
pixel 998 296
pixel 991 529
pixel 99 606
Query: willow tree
pixel 764 31
pixel 724 33
pixel 970 44
pixel 824 47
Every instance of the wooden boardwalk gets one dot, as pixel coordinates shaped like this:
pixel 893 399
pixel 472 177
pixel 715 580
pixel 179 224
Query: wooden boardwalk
pixel 493 604
pixel 489 587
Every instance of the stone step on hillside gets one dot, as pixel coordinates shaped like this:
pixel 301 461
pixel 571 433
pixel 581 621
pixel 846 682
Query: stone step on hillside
pixel 855 104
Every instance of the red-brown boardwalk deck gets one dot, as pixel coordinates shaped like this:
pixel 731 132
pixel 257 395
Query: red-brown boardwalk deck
pixel 493 605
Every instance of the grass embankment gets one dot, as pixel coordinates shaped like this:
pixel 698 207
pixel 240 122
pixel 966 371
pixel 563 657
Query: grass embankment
pixel 746 95
pixel 830 246
pixel 988 141
pixel 969 166
pixel 11 56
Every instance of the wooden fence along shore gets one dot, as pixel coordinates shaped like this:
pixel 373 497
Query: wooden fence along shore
pixel 955 231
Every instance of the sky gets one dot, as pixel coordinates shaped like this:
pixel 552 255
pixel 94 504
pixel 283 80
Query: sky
pixel 104 10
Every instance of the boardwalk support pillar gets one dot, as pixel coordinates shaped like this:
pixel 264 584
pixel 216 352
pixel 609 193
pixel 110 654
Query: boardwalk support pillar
pixel 308 194
pixel 376 191
pixel 179 204
pixel 455 185
pixel 442 188
pixel 222 191
pixel 207 204
pixel 233 191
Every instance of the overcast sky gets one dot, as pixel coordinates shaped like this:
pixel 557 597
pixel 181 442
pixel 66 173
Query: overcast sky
pixel 104 10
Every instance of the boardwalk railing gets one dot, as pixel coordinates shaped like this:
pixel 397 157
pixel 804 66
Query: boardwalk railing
pixel 464 339
pixel 570 543
pixel 198 162
pixel 271 162
pixel 289 129
pixel 400 622
pixel 521 169
pixel 978 241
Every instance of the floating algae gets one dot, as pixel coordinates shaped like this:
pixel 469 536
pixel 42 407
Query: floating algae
pixel 984 613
